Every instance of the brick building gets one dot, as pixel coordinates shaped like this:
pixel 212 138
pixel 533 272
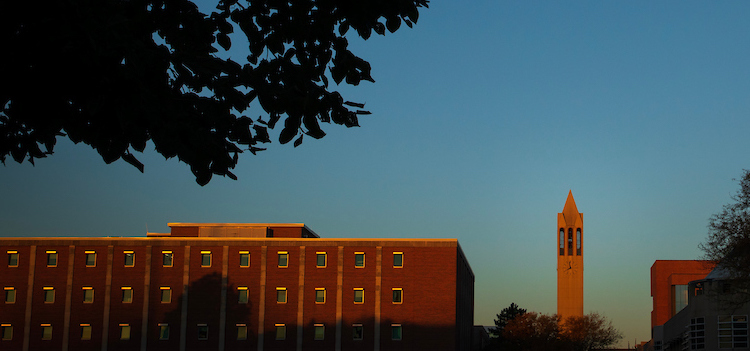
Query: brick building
pixel 235 286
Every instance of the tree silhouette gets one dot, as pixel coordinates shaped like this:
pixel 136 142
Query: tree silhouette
pixel 728 243
pixel 116 74
pixel 534 331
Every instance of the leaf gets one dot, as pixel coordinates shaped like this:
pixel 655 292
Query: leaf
pixel 231 175
pixel 354 104
pixel 343 28
pixel 379 28
pixel 224 41
pixel 291 126
pixel 298 142
pixel 393 23
pixel 129 158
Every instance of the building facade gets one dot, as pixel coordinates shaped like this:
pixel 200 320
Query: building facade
pixel 570 260
pixel 232 287
pixel 715 317
pixel 669 286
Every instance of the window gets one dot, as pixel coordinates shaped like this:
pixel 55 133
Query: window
pixel 578 241
pixel 244 260
pixel 6 332
pixel 697 336
pixel 163 331
pixel 562 241
pixel 85 331
pixel 124 331
pixel 320 295
pixel 698 289
pixel 205 258
pixel 242 294
pixel 166 294
pixel 359 259
pixel 10 294
pixel 127 294
pixel 320 331
pixel 283 259
pixel 51 258
pixel 733 332
pixel 321 259
pixel 129 258
pixel 280 295
pixel 241 332
pixel 570 241
pixel 88 294
pixel 396 332
pixel 680 298
pixel 357 332
pixel 359 295
pixel 12 258
pixel 280 331
pixel 167 259
pixel 398 259
pixel 90 258
pixel 49 294
pixel 202 331
pixel 398 295
pixel 46 331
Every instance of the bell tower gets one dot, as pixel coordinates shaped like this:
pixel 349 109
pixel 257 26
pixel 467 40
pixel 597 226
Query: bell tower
pixel 570 260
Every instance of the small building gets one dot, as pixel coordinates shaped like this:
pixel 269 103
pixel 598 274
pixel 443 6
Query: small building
pixel 715 318
pixel 669 286
pixel 235 287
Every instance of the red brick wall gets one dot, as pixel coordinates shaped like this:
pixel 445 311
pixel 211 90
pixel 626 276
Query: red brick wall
pixel 87 313
pixel 167 313
pixel 428 314
pixel 44 312
pixel 242 313
pixel 428 311
pixel 320 313
pixel 18 278
pixel 126 313
pixel 286 313
pixel 283 232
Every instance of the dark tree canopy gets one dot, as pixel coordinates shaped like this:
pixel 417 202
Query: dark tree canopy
pixel 728 242
pixel 115 74
pixel 506 315
pixel 541 332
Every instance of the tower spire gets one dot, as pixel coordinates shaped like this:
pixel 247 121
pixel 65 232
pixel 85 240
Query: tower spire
pixel 570 211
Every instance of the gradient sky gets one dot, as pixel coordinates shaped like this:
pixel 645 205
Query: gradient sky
pixel 485 114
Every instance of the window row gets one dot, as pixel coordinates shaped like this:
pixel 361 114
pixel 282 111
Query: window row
pixel 165 293
pixel 6 331
pixel 321 259
pixel 319 331
pixel 128 258
pixel 88 294
pixel 206 261
pixel 320 295
pixel 733 332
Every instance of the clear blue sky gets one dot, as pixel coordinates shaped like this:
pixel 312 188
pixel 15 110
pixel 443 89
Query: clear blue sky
pixel 485 114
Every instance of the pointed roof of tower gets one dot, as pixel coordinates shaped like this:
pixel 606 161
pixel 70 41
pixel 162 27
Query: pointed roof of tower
pixel 570 211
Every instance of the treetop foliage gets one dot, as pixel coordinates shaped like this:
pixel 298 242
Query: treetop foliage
pixel 728 242
pixel 534 331
pixel 505 316
pixel 115 74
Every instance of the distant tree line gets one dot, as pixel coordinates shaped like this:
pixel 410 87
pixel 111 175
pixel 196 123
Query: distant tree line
pixel 519 330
